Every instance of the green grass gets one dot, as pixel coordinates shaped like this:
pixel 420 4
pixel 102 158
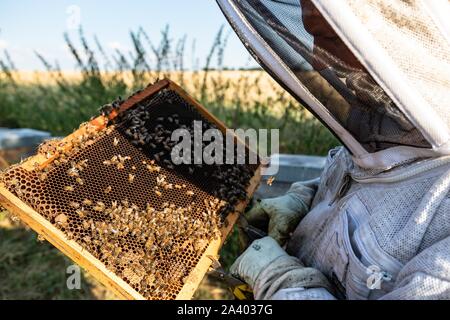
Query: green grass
pixel 58 104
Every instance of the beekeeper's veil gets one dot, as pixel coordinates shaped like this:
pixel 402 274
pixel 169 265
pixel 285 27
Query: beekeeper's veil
pixel 376 72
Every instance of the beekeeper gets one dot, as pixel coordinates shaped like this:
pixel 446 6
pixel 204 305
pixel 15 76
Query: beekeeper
pixel 377 223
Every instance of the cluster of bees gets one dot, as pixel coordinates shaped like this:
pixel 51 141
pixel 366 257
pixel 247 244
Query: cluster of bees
pixel 59 152
pixel 118 161
pixel 56 153
pixel 157 139
pixel 159 236
pixel 163 184
pixel 150 226
pixel 107 109
pixel 154 133
pixel 74 172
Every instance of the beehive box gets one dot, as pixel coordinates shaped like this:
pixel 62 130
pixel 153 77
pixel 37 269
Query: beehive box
pixel 108 197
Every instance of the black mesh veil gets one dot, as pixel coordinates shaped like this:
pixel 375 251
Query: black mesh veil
pixel 308 46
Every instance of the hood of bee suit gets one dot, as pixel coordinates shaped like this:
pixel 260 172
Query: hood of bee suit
pixel 375 72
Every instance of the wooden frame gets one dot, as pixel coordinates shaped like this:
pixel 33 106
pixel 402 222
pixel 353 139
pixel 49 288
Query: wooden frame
pixel 86 260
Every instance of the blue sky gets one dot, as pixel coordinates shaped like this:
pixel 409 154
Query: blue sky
pixel 29 25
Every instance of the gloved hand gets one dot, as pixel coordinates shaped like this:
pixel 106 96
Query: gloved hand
pixel 255 259
pixel 284 212
pixel 267 268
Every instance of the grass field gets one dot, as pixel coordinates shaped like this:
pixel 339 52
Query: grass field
pixel 58 102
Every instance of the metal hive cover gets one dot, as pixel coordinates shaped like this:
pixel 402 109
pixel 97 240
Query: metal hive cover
pixel 117 206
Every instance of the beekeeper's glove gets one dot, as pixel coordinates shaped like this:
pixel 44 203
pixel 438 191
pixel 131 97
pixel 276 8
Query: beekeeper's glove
pixel 284 212
pixel 255 259
pixel 267 268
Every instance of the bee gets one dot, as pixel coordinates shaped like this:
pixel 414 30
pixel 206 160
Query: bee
pixel 81 213
pixel 87 202
pixel 107 162
pixel 80 181
pixel 158 193
pixel 133 168
pixel 36 165
pixel 270 181
pixel 87 239
pixel 108 189
pixel 89 143
pixel 43 176
pixel 160 180
pixel 177 186
pixel 69 188
pixel 61 219
pixel 13 217
pixel 69 235
pixel 40 238
pixel 131 178
pixel 115 142
pixel 190 193
pixel 73 172
pixel 82 164
pixel 74 204
pixel 110 128
pixel 14 182
pixel 99 207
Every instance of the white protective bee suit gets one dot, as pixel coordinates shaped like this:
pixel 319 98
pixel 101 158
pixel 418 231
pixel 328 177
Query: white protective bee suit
pixel 377 74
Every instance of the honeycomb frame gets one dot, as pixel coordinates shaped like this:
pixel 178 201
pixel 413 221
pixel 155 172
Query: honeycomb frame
pixel 85 259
